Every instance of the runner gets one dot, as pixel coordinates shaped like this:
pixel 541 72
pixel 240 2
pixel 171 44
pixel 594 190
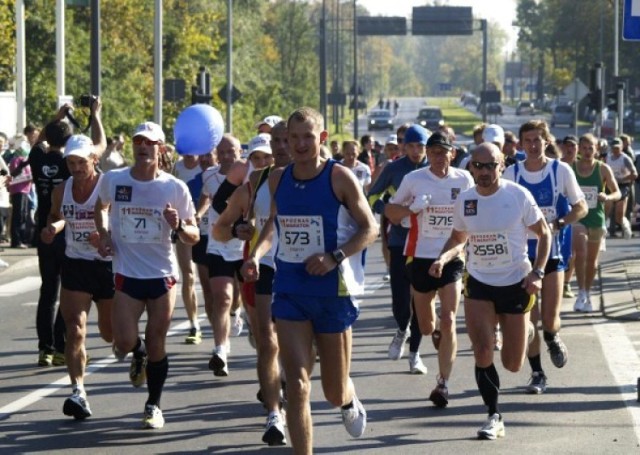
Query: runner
pixel 86 275
pixel 556 191
pixel 625 173
pixel 323 224
pixel 145 205
pixel 427 197
pixel 499 280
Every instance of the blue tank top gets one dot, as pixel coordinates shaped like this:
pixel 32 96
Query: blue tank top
pixel 312 220
pixel 547 195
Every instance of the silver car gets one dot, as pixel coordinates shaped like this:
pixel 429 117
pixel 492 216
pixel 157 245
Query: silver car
pixel 563 115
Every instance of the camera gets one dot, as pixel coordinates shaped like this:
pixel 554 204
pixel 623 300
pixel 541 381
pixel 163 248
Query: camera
pixel 87 100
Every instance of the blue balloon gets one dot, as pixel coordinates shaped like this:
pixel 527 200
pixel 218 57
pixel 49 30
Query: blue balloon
pixel 198 130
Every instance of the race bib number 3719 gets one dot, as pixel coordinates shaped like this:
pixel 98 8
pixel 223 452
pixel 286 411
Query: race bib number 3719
pixel 299 237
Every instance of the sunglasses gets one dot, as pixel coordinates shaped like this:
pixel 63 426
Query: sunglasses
pixel 139 140
pixel 490 166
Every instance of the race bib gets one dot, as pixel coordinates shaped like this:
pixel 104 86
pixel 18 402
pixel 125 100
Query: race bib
pixel 437 221
pixel 300 237
pixel 550 216
pixel 591 195
pixel 489 250
pixel 141 225
pixel 80 233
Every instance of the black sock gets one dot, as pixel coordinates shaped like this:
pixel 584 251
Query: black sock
pixel 548 336
pixel 140 350
pixel 489 385
pixel 156 375
pixel 536 364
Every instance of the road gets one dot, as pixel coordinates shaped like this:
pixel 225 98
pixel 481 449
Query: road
pixel 589 407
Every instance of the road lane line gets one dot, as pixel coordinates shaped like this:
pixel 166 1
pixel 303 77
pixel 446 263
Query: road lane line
pixel 624 365
pixel 37 395
pixel 27 284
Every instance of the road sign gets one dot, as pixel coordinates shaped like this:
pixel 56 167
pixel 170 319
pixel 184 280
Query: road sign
pixel 631 20
pixel 576 90
pixel 444 86
pixel 490 96
pixel 235 94
pixel 337 98
pixel 442 20
pixel 381 25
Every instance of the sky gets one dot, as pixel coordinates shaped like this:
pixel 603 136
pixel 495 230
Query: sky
pixel 502 11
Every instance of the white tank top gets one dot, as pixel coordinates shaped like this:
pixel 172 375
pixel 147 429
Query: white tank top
pixel 262 210
pixel 79 223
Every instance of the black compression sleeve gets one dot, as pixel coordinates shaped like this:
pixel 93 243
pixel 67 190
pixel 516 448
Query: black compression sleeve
pixel 219 202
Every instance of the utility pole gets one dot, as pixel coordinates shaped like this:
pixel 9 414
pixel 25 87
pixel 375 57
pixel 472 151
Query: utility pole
pixel 323 62
pixel 60 56
pixel 95 48
pixel 157 63
pixel 483 25
pixel 616 26
pixel 229 65
pixel 355 71
pixel 21 79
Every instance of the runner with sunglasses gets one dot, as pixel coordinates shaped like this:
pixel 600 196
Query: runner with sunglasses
pixel 500 282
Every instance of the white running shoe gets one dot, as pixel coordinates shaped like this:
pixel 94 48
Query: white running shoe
pixel 218 362
pixel 237 325
pixel 493 428
pixel 396 347
pixel 415 364
pixel 580 301
pixel 153 418
pixel 274 434
pixel 354 418
pixel 587 307
pixel 77 406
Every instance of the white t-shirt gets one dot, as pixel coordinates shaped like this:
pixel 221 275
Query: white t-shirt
pixel 362 173
pixel 621 165
pixel 231 250
pixel 140 234
pixel 430 229
pixel 185 174
pixel 497 227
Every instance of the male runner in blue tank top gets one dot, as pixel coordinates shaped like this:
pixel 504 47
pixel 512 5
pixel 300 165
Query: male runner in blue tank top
pixel 323 225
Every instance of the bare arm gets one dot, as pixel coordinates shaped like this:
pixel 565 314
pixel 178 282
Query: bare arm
pixel 101 213
pixel 610 183
pixel 396 212
pixel 533 283
pixel 97 130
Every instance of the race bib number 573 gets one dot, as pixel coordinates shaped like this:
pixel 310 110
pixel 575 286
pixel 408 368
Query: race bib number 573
pixel 299 237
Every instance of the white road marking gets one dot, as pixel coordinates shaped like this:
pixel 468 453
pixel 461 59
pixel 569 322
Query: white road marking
pixel 624 365
pixel 30 304
pixel 27 284
pixel 37 395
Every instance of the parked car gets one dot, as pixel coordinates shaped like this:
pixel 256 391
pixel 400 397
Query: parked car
pixel 380 119
pixel 469 99
pixel 563 115
pixel 430 117
pixel 525 108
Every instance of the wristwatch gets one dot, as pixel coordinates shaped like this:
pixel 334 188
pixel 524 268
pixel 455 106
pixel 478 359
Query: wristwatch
pixel 180 227
pixel 338 255
pixel 539 273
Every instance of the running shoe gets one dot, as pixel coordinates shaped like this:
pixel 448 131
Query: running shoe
pixel 537 383
pixel 45 359
pixel 386 277
pixel 493 428
pixel 436 335
pixel 237 324
pixel 396 347
pixel 58 359
pixel 567 292
pixel 587 307
pixel 440 396
pixel 77 406
pixel 152 418
pixel 354 418
pixel 194 337
pixel 138 371
pixel 498 339
pixel 218 362
pixel 558 351
pixel 580 301
pixel 415 364
pixel 274 431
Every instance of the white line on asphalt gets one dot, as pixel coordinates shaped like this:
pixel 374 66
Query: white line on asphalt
pixel 30 304
pixel 623 363
pixel 27 284
pixel 37 395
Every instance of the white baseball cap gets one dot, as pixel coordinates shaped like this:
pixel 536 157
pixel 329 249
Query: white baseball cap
pixel 271 120
pixel 260 143
pixel 493 133
pixel 392 139
pixel 79 145
pixel 150 130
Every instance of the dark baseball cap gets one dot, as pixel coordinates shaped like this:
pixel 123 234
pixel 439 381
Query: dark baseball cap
pixel 571 139
pixel 439 139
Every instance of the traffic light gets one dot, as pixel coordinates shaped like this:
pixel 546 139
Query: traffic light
pixel 595 100
pixel 199 98
pixel 201 92
pixel 616 97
